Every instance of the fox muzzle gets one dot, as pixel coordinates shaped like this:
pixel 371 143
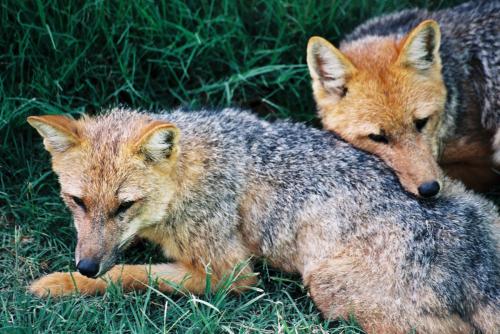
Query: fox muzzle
pixel 88 267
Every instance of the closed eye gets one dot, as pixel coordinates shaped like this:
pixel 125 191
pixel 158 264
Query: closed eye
pixel 78 201
pixel 420 123
pixel 124 206
pixel 379 138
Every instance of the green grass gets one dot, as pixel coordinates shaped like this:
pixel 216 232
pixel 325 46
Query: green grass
pixel 69 57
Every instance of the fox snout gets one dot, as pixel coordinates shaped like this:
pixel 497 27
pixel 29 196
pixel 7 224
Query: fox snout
pixel 94 265
pixel 416 168
pixel 422 179
pixel 95 253
pixel 88 267
pixel 429 189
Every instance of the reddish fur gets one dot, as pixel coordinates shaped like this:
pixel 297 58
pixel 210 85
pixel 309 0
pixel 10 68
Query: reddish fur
pixel 186 271
pixel 188 276
pixel 384 93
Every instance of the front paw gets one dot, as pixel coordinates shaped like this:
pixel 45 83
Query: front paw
pixel 63 284
pixel 55 284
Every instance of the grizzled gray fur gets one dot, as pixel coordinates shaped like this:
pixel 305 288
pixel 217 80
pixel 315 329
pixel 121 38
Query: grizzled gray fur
pixel 309 203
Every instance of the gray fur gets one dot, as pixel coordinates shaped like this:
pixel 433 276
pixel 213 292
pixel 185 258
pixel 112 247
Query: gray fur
pixel 234 187
pixel 320 198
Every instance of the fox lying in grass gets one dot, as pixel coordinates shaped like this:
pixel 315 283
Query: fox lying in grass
pixel 395 92
pixel 221 187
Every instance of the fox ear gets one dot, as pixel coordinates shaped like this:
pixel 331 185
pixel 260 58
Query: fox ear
pixel 59 132
pixel 420 48
pixel 327 65
pixel 157 141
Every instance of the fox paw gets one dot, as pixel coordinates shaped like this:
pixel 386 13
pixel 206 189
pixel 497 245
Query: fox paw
pixel 63 284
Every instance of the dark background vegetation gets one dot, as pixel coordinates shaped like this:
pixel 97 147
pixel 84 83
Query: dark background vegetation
pixel 78 57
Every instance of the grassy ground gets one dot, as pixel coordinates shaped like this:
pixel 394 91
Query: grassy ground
pixel 69 57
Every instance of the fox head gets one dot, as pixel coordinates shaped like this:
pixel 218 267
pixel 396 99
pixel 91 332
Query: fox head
pixel 117 179
pixel 386 96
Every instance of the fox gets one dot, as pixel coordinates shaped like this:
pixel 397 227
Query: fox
pixel 217 188
pixel 421 90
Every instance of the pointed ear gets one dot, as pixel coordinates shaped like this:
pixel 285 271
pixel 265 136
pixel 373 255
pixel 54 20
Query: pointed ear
pixel 420 48
pixel 157 141
pixel 328 66
pixel 59 132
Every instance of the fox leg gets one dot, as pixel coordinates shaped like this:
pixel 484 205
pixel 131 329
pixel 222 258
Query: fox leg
pixel 340 288
pixel 345 286
pixel 487 317
pixel 130 277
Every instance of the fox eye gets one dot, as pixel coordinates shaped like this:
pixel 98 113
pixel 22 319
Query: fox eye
pixel 420 123
pixel 379 138
pixel 124 206
pixel 78 201
pixel 343 91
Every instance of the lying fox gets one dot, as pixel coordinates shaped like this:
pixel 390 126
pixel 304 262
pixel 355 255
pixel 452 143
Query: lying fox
pixel 398 94
pixel 219 188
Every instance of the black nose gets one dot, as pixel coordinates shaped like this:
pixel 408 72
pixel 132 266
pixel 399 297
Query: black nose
pixel 429 189
pixel 88 267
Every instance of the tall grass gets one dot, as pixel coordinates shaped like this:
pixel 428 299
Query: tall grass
pixel 74 57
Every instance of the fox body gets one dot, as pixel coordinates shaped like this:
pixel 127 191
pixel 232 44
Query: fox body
pixel 218 188
pixel 417 88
